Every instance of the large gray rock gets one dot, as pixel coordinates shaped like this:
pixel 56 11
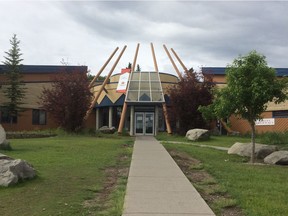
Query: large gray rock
pixel 4 144
pixel 197 134
pixel 278 157
pixel 12 171
pixel 245 149
pixel 2 134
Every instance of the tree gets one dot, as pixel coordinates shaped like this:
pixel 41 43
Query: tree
pixel 68 99
pixel 129 65
pixel 186 96
pixel 251 84
pixel 138 69
pixel 15 90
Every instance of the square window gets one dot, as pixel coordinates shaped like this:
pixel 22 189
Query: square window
pixel 38 117
pixel 6 117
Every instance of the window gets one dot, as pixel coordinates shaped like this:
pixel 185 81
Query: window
pixel 6 117
pixel 144 87
pixel 38 117
pixel 280 114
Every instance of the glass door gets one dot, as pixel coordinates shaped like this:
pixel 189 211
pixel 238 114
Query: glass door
pixel 139 123
pixel 144 123
pixel 149 123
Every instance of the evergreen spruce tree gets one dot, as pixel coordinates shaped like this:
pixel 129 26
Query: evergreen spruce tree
pixel 15 90
pixel 138 69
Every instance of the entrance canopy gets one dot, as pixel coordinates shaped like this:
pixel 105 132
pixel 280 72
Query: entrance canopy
pixel 144 87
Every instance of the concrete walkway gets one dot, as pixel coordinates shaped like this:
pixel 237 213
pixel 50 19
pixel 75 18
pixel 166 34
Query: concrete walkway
pixel 156 185
pixel 200 145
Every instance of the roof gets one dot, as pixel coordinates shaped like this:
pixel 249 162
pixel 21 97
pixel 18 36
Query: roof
pixel 44 69
pixel 221 71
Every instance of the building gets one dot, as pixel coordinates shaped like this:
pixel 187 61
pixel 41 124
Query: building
pixel 129 100
pixel 35 78
pixel 145 96
pixel 274 119
pixel 146 93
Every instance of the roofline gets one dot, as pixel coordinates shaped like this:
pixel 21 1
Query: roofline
pixel 46 69
pixel 280 72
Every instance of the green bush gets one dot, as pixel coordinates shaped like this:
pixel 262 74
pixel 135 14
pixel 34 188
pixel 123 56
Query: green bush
pixel 274 138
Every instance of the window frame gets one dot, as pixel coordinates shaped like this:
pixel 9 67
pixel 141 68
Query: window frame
pixel 36 117
pixel 7 118
pixel 280 114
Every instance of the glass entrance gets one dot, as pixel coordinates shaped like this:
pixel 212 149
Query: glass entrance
pixel 144 123
pixel 139 123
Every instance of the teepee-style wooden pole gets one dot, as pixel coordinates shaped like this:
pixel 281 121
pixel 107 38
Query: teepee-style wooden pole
pixel 173 63
pixel 179 60
pixel 165 112
pixel 103 85
pixel 103 67
pixel 154 58
pixel 124 109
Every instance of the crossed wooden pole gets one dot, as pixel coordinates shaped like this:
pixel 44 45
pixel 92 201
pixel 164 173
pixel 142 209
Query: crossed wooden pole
pixel 125 105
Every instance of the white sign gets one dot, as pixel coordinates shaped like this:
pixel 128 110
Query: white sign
pixel 122 84
pixel 265 121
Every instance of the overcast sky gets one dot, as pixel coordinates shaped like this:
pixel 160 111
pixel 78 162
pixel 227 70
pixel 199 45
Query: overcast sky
pixel 204 33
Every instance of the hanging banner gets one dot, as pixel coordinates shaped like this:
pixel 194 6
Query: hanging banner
pixel 123 81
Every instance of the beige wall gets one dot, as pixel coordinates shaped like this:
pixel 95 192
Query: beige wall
pixel 35 83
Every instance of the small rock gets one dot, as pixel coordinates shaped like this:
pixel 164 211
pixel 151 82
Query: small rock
pixel 107 130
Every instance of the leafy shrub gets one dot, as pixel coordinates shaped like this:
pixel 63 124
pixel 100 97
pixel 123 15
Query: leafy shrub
pixel 274 138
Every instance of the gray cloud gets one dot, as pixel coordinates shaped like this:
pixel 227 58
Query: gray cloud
pixel 203 33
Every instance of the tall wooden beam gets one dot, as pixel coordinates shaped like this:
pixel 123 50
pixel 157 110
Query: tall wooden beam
pixel 124 109
pixel 166 117
pixel 103 67
pixel 165 112
pixel 179 60
pixel 104 83
pixel 154 58
pixel 135 58
pixel 173 63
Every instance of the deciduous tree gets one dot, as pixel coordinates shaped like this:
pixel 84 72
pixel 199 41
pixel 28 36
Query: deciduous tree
pixel 251 84
pixel 186 96
pixel 68 99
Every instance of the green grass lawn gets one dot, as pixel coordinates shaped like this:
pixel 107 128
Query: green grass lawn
pixel 223 141
pixel 260 190
pixel 70 170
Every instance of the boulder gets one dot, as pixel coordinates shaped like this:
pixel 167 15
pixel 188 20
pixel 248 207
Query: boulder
pixel 278 157
pixel 245 149
pixel 12 171
pixel 2 134
pixel 4 144
pixel 197 134
pixel 107 130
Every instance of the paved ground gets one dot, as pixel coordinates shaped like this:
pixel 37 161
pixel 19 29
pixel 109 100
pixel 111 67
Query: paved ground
pixel 200 145
pixel 157 186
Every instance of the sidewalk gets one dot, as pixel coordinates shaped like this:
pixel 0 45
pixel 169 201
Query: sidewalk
pixel 156 185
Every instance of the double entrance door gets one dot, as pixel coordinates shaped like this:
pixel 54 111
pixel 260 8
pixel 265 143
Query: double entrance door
pixel 144 123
